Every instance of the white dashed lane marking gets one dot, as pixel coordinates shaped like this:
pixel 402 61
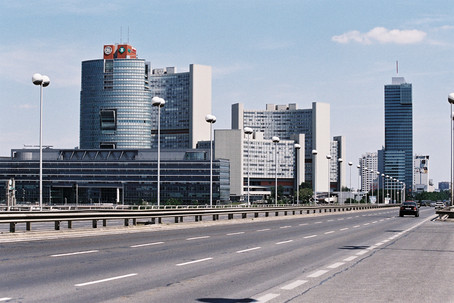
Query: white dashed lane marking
pixel 195 261
pixel 294 285
pixel 317 273
pixel 247 250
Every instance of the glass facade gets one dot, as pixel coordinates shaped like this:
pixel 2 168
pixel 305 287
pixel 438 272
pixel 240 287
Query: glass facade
pixel 175 121
pixel 115 104
pixel 398 153
pixel 109 176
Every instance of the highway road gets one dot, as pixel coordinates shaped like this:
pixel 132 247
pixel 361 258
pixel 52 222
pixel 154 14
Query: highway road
pixel 362 256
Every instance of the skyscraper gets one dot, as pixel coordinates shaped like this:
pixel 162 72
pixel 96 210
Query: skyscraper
pixel 398 151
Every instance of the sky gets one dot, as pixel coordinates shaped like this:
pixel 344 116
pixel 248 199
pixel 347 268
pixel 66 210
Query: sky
pixel 261 52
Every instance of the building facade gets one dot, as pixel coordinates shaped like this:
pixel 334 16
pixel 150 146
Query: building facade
pixel 116 109
pixel 398 150
pixel 261 161
pixel 421 179
pixel 288 122
pixel 368 168
pixel 115 176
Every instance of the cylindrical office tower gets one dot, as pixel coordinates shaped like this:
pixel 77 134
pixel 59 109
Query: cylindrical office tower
pixel 115 101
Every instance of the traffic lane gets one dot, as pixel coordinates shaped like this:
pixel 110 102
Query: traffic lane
pixel 93 268
pixel 260 271
pixel 411 268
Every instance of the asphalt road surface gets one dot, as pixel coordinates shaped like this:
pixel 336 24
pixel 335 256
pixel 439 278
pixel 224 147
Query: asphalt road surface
pixel 363 256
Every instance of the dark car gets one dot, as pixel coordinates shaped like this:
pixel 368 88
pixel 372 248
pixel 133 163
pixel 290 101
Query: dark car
pixel 409 208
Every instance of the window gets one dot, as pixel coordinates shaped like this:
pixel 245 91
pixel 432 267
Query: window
pixel 108 119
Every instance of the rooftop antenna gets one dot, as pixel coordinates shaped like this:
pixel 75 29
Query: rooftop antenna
pixel 397 67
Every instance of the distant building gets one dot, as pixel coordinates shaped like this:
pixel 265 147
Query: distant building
pixel 368 168
pixel 288 122
pixel 398 152
pixel 444 185
pixel 421 180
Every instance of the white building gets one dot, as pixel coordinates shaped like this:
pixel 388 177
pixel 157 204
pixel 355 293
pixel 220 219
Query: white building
pixel 421 180
pixel 254 157
pixel 368 171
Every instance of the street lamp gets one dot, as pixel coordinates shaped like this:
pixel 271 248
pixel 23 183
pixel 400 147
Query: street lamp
pixel 314 172
pixel 365 183
pixel 383 187
pixel 451 101
pixel 328 157
pixel 158 102
pixel 211 119
pixel 42 81
pixel 276 141
pixel 378 187
pixel 359 173
pixel 248 131
pixel 297 149
pixel 351 190
pixel 339 174
pixel 387 186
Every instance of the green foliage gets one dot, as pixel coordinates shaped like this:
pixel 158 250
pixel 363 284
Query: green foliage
pixel 435 196
pixel 305 195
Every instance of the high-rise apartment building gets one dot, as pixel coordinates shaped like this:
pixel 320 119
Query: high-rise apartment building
pixel 288 122
pixel 115 103
pixel 368 168
pixel 398 150
pixel 421 180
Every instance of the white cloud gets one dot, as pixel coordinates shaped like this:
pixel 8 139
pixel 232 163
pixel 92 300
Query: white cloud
pixel 382 35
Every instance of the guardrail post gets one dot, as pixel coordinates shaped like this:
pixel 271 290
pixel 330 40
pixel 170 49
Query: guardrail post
pixel 28 226
pixel 256 215
pixel 196 218
pixel 70 224
pixel 95 223
pixel 285 213
pixel 12 227
pixel 277 214
pixel 176 219
pixel 104 222
pixel 134 221
pixel 267 214
pixel 159 220
pixel 244 215
pixel 126 222
pixel 230 216
pixel 214 217
pixel 181 219
pixel 57 225
pixel 153 220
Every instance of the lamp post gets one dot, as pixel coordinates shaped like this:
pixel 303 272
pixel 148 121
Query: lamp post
pixel 276 141
pixel 42 81
pixel 339 178
pixel 397 190
pixel 383 187
pixel 359 173
pixel 328 157
pixel 297 150
pixel 351 190
pixel 314 172
pixel 211 119
pixel 378 187
pixel 451 101
pixel 365 183
pixel 387 185
pixel 158 102
pixel 372 184
pixel 248 131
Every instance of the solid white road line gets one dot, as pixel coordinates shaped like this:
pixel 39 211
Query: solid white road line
pixel 266 298
pixel 312 236
pixel 197 238
pixel 351 258
pixel 294 285
pixel 335 265
pixel 146 244
pixel 195 261
pixel 76 253
pixel 318 273
pixel 246 250
pixel 238 233
pixel 284 242
pixel 104 280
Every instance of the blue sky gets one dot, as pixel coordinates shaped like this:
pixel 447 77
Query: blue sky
pixel 338 52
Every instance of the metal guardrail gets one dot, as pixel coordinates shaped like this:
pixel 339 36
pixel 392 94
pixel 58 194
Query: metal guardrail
pixel 155 216
pixel 445 213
